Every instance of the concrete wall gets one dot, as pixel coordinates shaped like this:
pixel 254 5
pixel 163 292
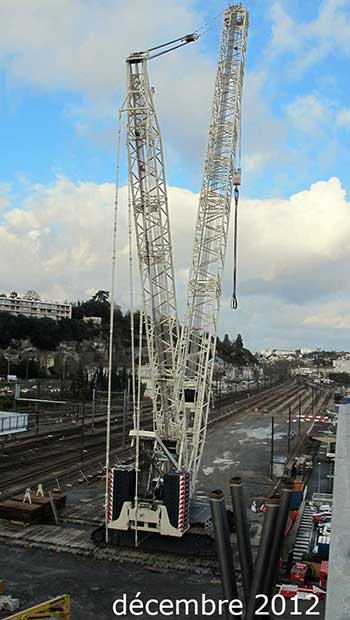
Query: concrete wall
pixel 338 591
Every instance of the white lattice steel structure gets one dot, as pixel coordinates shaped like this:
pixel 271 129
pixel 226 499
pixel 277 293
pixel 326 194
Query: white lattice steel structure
pixel 181 364
pixel 151 218
pixel 198 338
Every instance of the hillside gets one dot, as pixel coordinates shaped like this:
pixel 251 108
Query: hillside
pixel 31 347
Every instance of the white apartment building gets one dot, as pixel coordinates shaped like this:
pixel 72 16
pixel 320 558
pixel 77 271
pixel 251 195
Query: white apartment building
pixel 35 307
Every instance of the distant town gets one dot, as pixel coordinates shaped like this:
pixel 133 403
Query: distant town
pixel 63 347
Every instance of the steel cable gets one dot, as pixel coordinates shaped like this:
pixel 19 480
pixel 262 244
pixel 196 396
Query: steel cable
pixel 234 301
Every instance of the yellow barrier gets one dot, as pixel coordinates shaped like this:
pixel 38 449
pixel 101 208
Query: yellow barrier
pixel 58 608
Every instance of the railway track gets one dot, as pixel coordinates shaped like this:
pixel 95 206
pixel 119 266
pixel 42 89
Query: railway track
pixel 60 456
pixel 72 535
pixel 46 421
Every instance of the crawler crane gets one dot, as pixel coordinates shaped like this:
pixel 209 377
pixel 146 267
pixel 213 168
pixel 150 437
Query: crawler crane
pixel 157 493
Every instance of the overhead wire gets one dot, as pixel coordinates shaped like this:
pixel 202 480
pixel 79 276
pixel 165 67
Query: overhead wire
pixel 210 24
pixel 111 325
pixel 132 321
pixel 206 27
pixel 169 50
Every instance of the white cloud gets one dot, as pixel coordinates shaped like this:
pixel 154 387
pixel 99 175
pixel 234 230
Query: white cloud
pixel 329 320
pixel 311 41
pixel 293 255
pixel 5 190
pixel 343 117
pixel 292 236
pixel 264 136
pixel 80 47
pixel 309 113
pixel 322 121
pixel 283 29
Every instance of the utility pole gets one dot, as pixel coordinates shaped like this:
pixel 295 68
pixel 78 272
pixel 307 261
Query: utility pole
pixel 299 416
pixel 319 482
pixel 272 445
pixel 93 408
pixel 289 423
pixel 125 408
pixel 63 380
pixel 82 430
pixel 37 418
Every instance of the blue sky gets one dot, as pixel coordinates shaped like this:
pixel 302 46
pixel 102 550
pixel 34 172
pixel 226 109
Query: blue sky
pixel 62 81
pixel 49 129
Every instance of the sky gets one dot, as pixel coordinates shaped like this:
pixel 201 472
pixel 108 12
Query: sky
pixel 62 81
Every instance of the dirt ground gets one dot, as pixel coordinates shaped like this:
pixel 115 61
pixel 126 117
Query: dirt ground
pixel 33 575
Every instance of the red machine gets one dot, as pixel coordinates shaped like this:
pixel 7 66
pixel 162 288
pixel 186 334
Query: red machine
pixel 324 574
pixel 292 590
pixel 299 573
pixel 290 522
pixel 318 517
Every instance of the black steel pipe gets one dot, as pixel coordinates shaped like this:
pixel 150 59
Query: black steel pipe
pixel 242 531
pixel 267 536
pixel 271 570
pixel 223 546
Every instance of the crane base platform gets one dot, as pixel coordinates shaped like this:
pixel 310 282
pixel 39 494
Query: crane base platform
pixel 195 542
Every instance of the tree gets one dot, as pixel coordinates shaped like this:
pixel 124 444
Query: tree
pixel 98 305
pixel 343 378
pixel 32 295
pixel 80 384
pixel 227 344
pixel 26 369
pixel 101 296
pixel 239 343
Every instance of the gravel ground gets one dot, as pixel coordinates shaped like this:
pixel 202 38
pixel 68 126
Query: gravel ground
pixel 240 446
pixel 33 576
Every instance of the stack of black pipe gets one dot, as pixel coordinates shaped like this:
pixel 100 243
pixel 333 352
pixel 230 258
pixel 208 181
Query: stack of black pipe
pixel 259 577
